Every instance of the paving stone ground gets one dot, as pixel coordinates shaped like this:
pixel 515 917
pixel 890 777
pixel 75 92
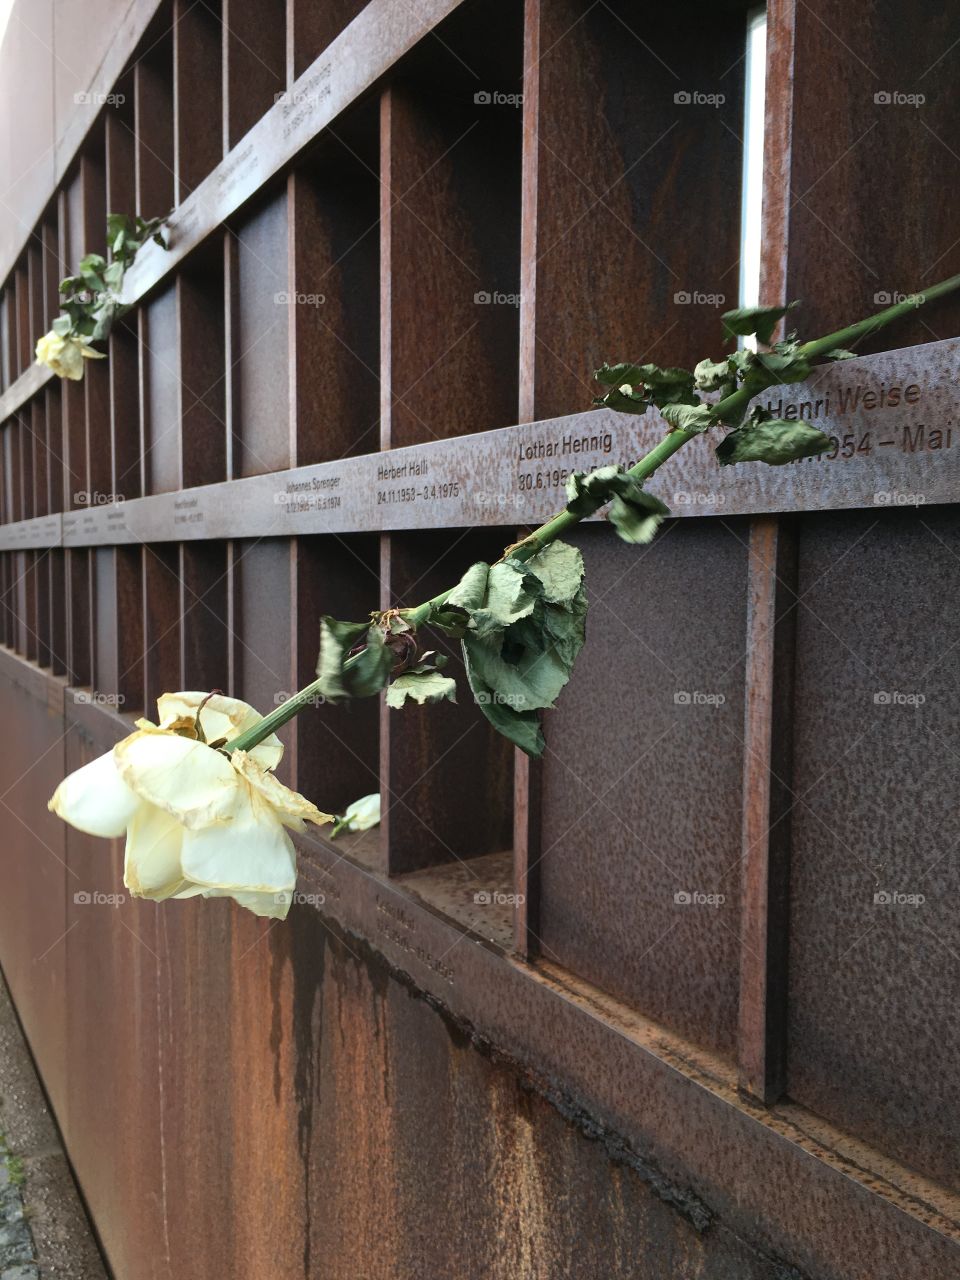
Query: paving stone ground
pixel 44 1231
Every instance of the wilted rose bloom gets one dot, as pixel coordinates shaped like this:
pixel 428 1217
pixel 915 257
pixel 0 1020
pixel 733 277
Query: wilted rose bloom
pixel 197 820
pixel 361 815
pixel 65 355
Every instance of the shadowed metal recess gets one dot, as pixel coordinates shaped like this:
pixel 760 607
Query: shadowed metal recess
pixel 691 977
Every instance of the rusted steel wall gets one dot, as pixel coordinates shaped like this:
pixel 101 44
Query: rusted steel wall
pixel 641 1009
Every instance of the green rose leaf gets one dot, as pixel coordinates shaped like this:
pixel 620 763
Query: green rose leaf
pixel 689 417
pixel 526 628
pixel 634 513
pixel 711 375
pixel 784 366
pixel 522 728
pixel 773 441
pixel 368 672
pixel 62 326
pixel 637 517
pixel 622 401
pixel 762 321
pixel 618 375
pixel 421 686
pixel 840 354
pixel 587 493
pixel 495 596
pixel 450 619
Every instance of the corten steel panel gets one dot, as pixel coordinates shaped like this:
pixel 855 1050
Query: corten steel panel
pixel 336 746
pixel 54 447
pixel 857 222
pixel 204 613
pixel 162 625
pixel 263 576
pixel 24 346
pixel 40 455
pixel 32 909
pixel 126 468
pixel 254 36
pixel 153 99
pixel 258 349
pixel 78 617
pixel 7 375
pixel 446 776
pixel 112 1120
pixel 203 429
pixel 160 395
pixel 118 627
pixel 334 315
pixel 640 861
pixel 624 258
pixel 198 92
pixel 450 232
pixel 874 1030
pixel 311 27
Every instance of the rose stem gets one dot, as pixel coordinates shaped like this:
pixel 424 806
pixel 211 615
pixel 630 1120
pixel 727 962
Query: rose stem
pixel 642 470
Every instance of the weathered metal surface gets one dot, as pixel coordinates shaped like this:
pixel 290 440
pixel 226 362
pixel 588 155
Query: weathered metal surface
pixel 342 1060
pixel 381 34
pixel 332 1060
pixel 432 816
pixel 35 880
pixel 873 919
pixel 640 849
pixel 616 147
pixel 765 838
pixel 887 455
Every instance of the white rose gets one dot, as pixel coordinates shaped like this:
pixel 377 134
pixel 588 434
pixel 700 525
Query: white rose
pixel 65 355
pixel 197 820
pixel 361 815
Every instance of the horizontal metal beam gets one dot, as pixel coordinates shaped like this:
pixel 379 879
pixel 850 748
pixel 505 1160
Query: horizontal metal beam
pixel 895 418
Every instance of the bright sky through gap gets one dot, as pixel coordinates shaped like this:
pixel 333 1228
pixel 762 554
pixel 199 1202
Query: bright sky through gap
pixel 752 184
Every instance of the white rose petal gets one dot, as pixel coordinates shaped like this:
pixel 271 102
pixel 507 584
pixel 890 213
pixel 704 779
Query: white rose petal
pixel 186 778
pixel 95 799
pixel 221 717
pixel 290 807
pixel 151 866
pixel 253 852
pixel 364 813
